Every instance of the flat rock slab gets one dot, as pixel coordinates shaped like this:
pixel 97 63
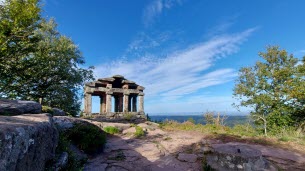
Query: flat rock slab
pixel 187 157
pixel 124 152
pixel 18 107
pixel 237 157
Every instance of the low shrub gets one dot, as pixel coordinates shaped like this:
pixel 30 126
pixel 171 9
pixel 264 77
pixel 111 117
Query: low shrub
pixel 47 109
pixel 87 137
pixel 63 146
pixel 139 132
pixel 111 130
pixel 128 116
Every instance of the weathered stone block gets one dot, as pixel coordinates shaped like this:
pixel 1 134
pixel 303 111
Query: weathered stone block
pixel 27 142
pixel 18 107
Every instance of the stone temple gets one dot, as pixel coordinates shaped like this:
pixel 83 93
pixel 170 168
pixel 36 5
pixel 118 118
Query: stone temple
pixel 127 96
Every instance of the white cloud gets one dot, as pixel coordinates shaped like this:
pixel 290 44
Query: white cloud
pixel 179 73
pixel 155 8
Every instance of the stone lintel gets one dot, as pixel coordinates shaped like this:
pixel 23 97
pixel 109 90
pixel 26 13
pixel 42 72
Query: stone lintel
pixel 107 79
pixel 141 94
pixel 140 88
pixel 118 76
pixel 109 92
pixel 128 82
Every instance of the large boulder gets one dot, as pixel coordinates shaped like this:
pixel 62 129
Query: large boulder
pixel 18 107
pixel 27 142
pixel 58 112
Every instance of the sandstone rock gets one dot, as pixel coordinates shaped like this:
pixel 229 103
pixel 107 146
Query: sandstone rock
pixel 27 142
pixel 234 157
pixel 79 155
pixel 206 149
pixel 63 122
pixel 62 161
pixel 131 130
pixel 58 112
pixel 18 107
pixel 187 157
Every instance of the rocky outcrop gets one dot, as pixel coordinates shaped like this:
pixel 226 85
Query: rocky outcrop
pixel 237 157
pixel 18 107
pixel 58 112
pixel 27 141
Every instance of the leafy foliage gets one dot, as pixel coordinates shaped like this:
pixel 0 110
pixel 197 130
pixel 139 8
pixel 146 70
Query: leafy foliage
pixel 36 61
pixel 139 132
pixel 274 88
pixel 87 137
pixel 111 130
pixel 47 109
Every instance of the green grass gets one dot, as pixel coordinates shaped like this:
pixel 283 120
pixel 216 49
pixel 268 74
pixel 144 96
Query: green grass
pixel 139 132
pixel 47 109
pixel 111 130
pixel 128 116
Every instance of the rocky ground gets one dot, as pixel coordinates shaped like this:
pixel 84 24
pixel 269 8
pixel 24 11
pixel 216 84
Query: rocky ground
pixel 179 150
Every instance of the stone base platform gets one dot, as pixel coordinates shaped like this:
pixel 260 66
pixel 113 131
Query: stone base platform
pixel 133 117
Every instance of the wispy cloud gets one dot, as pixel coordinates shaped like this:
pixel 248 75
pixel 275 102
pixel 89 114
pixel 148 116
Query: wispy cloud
pixel 155 8
pixel 181 72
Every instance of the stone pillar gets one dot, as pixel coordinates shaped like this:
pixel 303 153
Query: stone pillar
pixel 116 104
pixel 134 103
pixel 126 102
pixel 141 102
pixel 103 104
pixel 108 102
pixel 88 104
pixel 120 103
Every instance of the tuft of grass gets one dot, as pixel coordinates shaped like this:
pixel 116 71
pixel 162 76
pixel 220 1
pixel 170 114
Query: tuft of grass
pixel 111 130
pixel 128 116
pixel 139 132
pixel 47 109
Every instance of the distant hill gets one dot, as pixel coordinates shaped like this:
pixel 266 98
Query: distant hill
pixel 230 121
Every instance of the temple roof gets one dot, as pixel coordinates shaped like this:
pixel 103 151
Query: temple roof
pixel 117 80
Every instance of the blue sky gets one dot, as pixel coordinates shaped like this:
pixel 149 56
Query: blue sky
pixel 186 53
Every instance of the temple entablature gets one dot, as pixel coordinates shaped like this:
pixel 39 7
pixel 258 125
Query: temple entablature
pixel 127 95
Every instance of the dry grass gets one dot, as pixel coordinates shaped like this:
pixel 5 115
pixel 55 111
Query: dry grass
pixel 290 140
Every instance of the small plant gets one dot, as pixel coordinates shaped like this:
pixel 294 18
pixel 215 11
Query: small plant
pixel 47 109
pixel 139 132
pixel 87 137
pixel 111 130
pixel 128 116
pixel 191 120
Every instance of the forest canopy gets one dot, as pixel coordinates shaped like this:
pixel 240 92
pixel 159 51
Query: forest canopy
pixel 36 61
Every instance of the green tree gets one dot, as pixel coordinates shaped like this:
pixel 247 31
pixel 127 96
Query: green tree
pixel 49 71
pixel 271 88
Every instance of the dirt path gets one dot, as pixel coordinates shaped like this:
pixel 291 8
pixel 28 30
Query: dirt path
pixel 160 150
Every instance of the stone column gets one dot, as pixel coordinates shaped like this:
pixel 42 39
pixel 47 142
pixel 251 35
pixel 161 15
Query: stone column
pixel 120 103
pixel 141 102
pixel 88 104
pixel 104 103
pixel 108 102
pixel 134 103
pixel 126 102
